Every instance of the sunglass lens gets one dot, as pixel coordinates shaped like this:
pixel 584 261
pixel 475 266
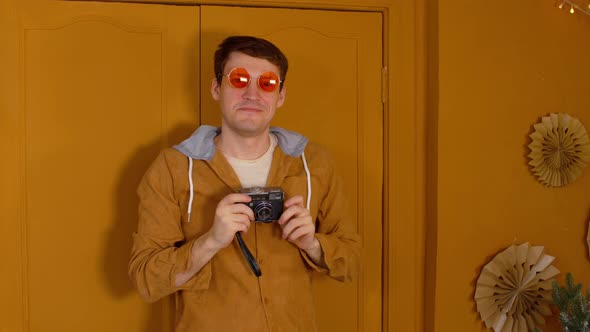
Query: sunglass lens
pixel 268 81
pixel 239 77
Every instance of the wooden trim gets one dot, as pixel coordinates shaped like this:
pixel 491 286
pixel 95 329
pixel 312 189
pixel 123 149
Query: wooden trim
pixel 346 5
pixel 13 303
pixel 405 192
pixel 430 34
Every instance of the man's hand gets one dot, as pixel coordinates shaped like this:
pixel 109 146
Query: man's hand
pixel 298 227
pixel 230 218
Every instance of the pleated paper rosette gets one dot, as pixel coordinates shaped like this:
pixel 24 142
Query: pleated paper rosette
pixel 560 149
pixel 513 291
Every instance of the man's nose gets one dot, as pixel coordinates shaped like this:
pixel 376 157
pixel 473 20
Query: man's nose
pixel 251 91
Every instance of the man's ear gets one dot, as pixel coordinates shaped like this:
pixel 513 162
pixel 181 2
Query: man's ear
pixel 282 96
pixel 215 89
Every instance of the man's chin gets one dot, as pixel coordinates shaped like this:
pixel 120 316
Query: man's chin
pixel 250 131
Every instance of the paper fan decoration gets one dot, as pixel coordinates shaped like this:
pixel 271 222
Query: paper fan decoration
pixel 513 291
pixel 560 149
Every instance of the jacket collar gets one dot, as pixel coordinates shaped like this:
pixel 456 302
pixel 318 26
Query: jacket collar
pixel 200 145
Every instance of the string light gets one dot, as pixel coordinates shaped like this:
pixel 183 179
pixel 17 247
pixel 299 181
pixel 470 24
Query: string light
pixel 574 6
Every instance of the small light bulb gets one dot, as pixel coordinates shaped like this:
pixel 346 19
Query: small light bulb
pixel 572 9
pixel 561 5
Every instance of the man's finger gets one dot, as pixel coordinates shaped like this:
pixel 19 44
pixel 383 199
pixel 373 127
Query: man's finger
pixel 291 225
pixel 294 211
pixel 242 219
pixel 239 208
pixel 298 232
pixel 236 198
pixel 295 200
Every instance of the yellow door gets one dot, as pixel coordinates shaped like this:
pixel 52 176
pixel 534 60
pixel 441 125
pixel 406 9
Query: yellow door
pixel 334 98
pixel 95 91
pixel 91 91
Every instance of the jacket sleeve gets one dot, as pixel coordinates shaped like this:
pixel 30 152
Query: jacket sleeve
pixel 340 245
pixel 159 250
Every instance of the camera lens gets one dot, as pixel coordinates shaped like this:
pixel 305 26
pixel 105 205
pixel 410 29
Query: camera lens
pixel 263 211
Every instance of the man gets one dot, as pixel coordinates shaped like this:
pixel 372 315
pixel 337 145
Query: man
pixel 191 210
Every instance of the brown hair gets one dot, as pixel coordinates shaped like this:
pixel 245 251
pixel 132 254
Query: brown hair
pixel 254 47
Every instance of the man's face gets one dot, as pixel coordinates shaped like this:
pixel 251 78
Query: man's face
pixel 247 111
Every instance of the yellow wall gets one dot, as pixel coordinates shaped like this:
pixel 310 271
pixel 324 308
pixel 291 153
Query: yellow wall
pixel 501 66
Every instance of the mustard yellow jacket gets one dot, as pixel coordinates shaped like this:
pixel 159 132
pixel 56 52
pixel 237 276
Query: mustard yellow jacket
pixel 225 295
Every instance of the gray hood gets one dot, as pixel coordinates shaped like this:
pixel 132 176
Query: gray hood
pixel 200 144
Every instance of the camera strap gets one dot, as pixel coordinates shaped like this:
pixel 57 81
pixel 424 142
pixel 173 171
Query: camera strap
pixel 249 257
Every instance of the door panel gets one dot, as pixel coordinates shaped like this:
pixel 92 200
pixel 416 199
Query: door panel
pixel 333 98
pixel 103 87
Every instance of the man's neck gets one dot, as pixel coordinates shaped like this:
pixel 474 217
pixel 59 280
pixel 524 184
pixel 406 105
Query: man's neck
pixel 243 147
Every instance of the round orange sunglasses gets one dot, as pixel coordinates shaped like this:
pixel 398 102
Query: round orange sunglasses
pixel 240 78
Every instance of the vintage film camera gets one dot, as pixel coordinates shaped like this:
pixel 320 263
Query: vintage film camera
pixel 267 202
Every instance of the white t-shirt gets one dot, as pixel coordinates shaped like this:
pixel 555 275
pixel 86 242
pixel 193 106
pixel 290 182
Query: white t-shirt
pixel 254 173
